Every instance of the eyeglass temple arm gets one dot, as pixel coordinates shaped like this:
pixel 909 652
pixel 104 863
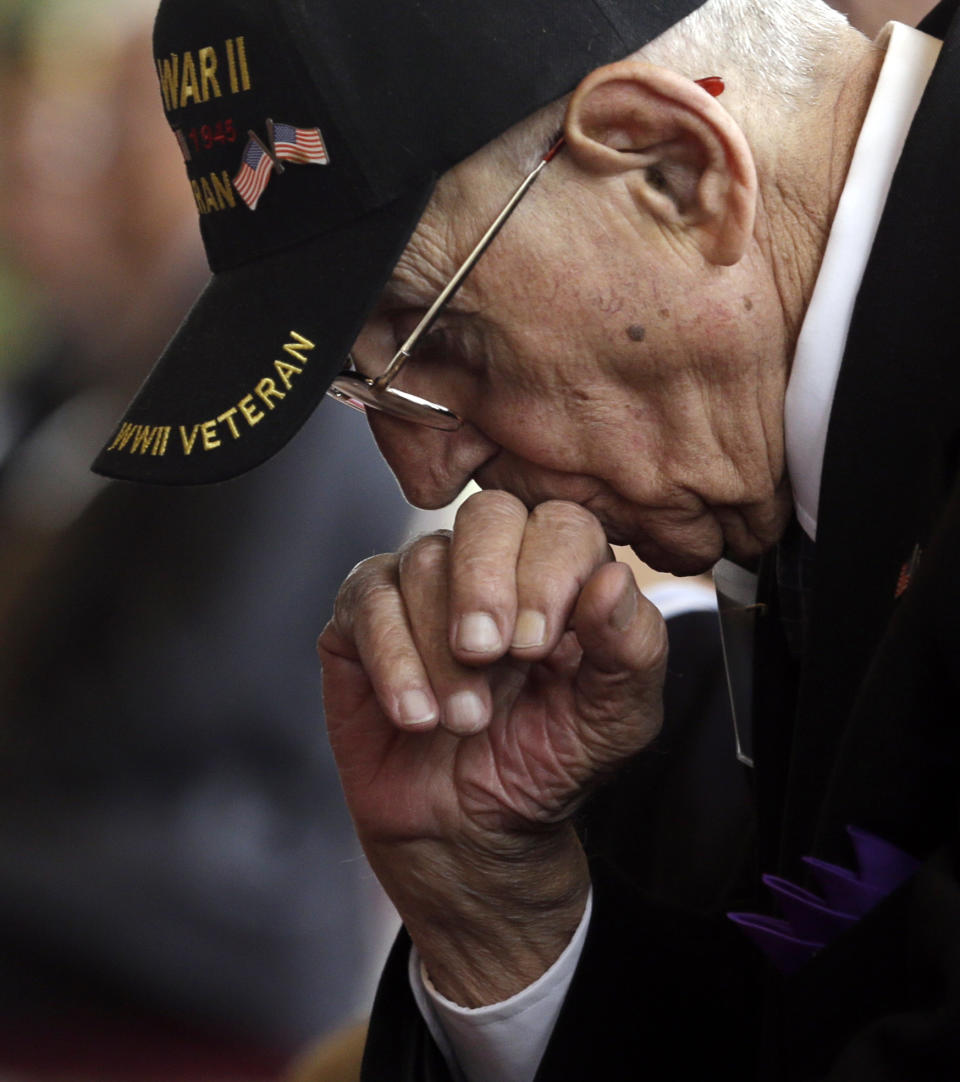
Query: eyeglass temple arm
pixel 403 353
pixel 712 84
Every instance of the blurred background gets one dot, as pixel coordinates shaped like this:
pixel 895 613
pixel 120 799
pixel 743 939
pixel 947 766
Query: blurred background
pixel 181 896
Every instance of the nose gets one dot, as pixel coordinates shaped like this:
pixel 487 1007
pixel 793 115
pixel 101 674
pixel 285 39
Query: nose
pixel 432 466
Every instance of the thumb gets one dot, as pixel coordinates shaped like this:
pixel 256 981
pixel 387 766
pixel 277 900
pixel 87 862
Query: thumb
pixel 619 684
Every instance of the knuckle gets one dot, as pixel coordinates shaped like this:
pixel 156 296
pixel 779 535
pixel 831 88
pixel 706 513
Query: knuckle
pixel 424 539
pixel 493 503
pixel 373 567
pixel 367 577
pixel 653 641
pixel 569 521
pixel 425 557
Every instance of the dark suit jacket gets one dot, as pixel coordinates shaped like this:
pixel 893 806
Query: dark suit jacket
pixel 863 731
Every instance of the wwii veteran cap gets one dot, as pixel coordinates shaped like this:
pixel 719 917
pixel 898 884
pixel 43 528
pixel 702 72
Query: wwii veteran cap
pixel 313 132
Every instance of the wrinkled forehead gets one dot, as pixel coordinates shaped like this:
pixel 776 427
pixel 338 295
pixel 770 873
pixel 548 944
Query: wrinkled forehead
pixel 462 205
pixel 469 195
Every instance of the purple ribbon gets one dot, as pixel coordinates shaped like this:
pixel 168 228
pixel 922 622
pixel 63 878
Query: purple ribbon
pixel 811 921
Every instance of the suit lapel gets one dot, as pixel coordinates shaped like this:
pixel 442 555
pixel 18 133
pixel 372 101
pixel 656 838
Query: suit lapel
pixel 890 443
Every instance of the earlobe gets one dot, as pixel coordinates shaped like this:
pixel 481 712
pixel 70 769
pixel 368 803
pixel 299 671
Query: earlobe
pixel 686 161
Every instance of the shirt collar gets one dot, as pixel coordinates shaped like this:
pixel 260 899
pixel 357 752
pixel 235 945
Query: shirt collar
pixel 909 61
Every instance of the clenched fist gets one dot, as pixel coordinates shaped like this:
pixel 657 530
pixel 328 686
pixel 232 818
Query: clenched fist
pixel 476 684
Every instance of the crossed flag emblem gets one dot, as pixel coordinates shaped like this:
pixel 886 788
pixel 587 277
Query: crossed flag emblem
pixel 285 143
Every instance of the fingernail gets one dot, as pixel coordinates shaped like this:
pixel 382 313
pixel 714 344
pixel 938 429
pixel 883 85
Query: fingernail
pixel 626 606
pixel 478 633
pixel 465 713
pixel 416 709
pixel 530 629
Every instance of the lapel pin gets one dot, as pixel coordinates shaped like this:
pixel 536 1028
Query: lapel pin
pixel 907 572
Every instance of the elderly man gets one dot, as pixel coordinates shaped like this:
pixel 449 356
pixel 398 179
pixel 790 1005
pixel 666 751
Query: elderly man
pixel 736 224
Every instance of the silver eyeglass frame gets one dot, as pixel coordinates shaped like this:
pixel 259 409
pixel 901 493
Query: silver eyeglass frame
pixel 363 392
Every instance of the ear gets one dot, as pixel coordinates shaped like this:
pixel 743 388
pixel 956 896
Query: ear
pixel 685 159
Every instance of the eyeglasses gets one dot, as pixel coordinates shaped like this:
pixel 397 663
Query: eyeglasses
pixel 353 389
pixel 363 393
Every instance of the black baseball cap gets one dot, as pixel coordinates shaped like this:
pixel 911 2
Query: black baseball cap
pixel 313 132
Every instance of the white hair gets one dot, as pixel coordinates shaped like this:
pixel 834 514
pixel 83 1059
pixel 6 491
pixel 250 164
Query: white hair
pixel 769 52
pixel 780 45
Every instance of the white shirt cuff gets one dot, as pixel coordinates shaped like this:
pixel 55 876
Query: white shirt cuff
pixel 502 1042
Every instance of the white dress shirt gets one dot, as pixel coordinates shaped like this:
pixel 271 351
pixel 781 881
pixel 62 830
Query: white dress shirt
pixel 504 1042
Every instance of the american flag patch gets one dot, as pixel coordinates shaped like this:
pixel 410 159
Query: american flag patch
pixel 299 144
pixel 254 173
